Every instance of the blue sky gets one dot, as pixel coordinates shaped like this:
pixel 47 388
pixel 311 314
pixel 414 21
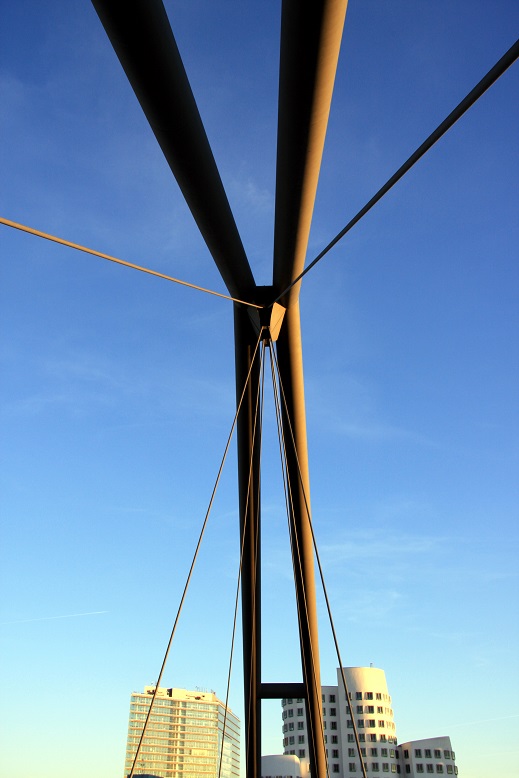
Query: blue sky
pixel 117 389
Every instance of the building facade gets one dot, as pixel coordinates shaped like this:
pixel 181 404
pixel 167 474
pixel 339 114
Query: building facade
pixel 426 757
pixel 188 734
pixel 369 709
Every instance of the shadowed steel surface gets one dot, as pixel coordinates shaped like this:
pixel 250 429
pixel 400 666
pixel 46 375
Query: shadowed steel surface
pixel 311 35
pixel 249 444
pixel 141 35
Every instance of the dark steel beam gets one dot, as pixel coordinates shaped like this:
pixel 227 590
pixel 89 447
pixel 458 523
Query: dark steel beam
pixel 141 35
pixel 310 41
pixel 249 445
pixel 278 691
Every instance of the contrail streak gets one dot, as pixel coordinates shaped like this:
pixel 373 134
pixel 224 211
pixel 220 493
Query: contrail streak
pixel 52 618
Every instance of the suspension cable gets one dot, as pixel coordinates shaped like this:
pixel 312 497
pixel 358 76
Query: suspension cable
pixel 242 547
pixel 197 549
pixel 296 555
pixel 323 584
pixel 78 247
pixel 481 87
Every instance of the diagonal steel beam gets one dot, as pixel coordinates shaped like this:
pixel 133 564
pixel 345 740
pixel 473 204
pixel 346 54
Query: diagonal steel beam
pixel 141 35
pixel 310 41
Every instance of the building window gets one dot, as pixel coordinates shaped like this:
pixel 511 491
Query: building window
pixel 450 769
pixel 406 754
pixel 360 723
pixel 418 753
pixel 359 709
pixel 300 725
pixel 373 738
pixel 380 709
pixel 378 696
pixel 291 740
pixel 334 739
pixel 358 695
pixel 335 768
pixel 393 768
pixel 324 711
pixel 368 696
pixel 291 726
pixel 350 738
pixel 447 754
pixel 299 711
pixel 430 768
pixel 331 698
pixel 382 737
pixel 335 753
pixel 362 737
pixel 351 767
pixel 302 753
pixel 291 713
pixel 383 751
pixel 385 767
pixel 333 711
pixel 333 725
pixel 381 724
pixel 351 752
pixel 370 709
pixel 437 753
pixel 374 767
pixel 349 724
pixel 373 751
pixel 419 768
pixel 301 739
pixel 408 768
pixel 439 768
pixel 371 723
pixel 299 699
pixel 427 753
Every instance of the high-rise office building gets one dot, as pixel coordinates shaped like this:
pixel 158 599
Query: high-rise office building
pixel 189 732
pixel 369 706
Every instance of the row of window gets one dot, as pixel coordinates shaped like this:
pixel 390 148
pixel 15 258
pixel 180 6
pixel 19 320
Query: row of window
pixel 374 752
pixel 301 753
pixel 367 723
pixel 428 753
pixel 449 769
pixel 331 697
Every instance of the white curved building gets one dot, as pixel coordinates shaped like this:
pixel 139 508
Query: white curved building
pixel 278 766
pixel 434 755
pixel 369 706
